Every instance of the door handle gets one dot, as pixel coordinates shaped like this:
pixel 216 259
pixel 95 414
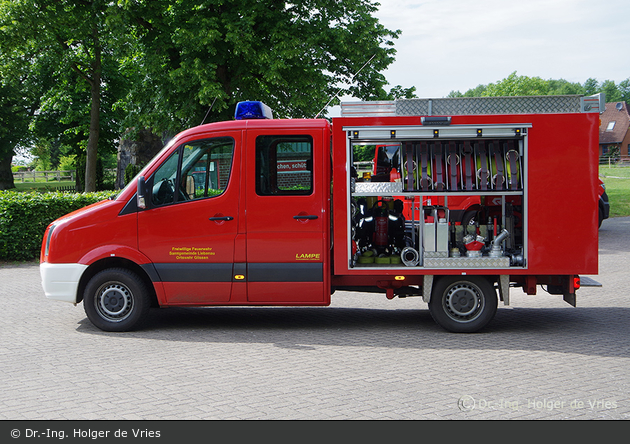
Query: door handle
pixel 221 218
pixel 308 217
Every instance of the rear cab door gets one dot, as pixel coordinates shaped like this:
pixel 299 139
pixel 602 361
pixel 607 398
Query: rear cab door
pixel 287 213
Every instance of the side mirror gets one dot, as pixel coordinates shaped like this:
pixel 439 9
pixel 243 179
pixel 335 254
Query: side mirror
pixel 140 195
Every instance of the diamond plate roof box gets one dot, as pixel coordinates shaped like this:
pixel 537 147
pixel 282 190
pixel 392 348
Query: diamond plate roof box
pixel 451 106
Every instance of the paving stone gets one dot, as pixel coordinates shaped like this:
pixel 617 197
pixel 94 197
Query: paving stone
pixel 364 357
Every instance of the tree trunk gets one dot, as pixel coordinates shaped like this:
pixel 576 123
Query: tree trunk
pixel 136 152
pixel 92 145
pixel 6 175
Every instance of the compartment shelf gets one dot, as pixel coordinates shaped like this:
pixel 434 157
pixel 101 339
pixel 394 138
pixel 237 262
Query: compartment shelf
pixel 438 193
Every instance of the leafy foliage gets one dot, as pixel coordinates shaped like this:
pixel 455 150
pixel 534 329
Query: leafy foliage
pixel 14 117
pixel 97 68
pixel 515 85
pixel 64 51
pixel 131 171
pixel 25 216
pixel 193 55
pixel 364 153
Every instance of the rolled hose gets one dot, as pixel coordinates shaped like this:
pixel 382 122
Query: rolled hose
pixel 410 257
pixel 366 260
pixel 382 259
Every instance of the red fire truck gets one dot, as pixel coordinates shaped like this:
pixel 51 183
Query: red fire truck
pixel 263 211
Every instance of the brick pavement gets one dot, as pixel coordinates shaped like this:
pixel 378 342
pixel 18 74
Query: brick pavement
pixel 364 357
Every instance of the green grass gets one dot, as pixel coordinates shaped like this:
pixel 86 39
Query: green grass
pixel 618 191
pixel 614 171
pixel 617 181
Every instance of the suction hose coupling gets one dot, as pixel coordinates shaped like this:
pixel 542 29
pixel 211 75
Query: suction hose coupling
pixel 496 244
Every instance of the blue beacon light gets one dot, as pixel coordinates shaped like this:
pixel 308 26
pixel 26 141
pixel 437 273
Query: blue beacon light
pixel 252 110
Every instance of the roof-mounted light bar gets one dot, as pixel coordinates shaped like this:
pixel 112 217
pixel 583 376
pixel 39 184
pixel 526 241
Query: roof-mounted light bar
pixel 252 110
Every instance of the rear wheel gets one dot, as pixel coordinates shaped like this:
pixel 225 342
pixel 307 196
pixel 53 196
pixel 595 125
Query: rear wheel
pixel 463 305
pixel 116 299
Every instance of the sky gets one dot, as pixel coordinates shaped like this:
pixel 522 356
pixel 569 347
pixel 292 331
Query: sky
pixel 449 45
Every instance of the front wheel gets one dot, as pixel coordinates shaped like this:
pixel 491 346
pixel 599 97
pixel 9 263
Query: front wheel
pixel 463 305
pixel 116 299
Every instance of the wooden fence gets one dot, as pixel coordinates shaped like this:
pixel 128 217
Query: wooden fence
pixel 46 176
pixel 618 160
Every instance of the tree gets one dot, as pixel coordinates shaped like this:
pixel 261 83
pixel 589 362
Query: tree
pixel 398 92
pixel 624 89
pixel 591 86
pixel 475 92
pixel 105 67
pixel 515 85
pixel 16 108
pixel 66 43
pixel 609 88
pixel 291 55
pixel 564 87
pixel 13 127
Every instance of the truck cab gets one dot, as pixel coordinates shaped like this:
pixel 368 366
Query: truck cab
pixel 232 213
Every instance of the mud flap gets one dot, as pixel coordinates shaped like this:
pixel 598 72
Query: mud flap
pixel 584 281
pixel 569 298
pixel 427 287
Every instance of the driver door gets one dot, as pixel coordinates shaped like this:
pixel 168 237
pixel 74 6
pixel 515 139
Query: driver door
pixel 189 229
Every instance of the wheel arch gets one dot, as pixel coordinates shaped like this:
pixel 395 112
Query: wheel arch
pixel 116 262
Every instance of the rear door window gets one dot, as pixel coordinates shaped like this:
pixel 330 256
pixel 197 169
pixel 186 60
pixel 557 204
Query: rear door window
pixel 284 165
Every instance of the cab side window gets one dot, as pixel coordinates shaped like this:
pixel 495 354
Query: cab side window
pixel 196 170
pixel 284 165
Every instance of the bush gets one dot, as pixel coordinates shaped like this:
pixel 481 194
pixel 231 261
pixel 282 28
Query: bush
pixel 25 216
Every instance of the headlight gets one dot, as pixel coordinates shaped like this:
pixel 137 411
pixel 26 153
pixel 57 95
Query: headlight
pixel 50 232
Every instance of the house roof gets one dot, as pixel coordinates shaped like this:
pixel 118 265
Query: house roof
pixel 622 123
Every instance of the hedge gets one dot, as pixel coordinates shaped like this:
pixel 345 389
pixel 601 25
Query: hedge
pixel 25 216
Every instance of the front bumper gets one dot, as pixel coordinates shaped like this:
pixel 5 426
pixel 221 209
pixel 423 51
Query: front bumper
pixel 61 281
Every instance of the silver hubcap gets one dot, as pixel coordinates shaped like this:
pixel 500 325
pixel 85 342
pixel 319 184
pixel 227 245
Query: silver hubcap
pixel 463 302
pixel 114 301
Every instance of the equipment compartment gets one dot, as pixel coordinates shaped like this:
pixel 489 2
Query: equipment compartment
pixel 438 198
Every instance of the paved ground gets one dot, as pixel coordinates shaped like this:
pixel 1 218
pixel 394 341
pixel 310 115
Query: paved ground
pixel 365 357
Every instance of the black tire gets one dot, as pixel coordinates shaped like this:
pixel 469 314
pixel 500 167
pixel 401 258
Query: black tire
pixel 463 304
pixel 116 299
pixel 469 218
